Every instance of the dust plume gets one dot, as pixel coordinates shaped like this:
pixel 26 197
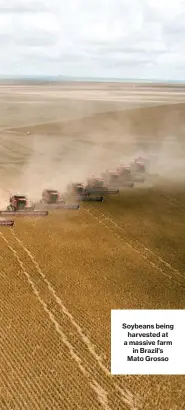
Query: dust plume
pixel 63 153
pixel 4 196
pixel 57 161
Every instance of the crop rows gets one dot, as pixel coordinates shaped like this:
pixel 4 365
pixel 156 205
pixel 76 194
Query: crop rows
pixel 60 283
pixel 80 348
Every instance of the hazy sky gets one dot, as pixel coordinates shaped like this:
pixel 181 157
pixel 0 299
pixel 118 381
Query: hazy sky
pixel 106 38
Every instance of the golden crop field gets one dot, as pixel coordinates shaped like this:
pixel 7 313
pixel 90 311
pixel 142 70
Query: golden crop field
pixel 61 275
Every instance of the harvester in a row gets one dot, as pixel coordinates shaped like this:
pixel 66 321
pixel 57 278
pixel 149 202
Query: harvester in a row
pixel 98 185
pixel 109 183
pixel 118 178
pixel 138 169
pixel 126 175
pixel 53 199
pixel 19 205
pixel 80 192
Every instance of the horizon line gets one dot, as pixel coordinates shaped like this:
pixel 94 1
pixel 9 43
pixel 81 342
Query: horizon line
pixel 86 79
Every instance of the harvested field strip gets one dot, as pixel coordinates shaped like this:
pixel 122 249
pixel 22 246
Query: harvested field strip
pixel 20 149
pixel 16 152
pixel 22 154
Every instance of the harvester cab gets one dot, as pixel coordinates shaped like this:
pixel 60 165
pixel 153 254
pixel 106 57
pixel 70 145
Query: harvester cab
pixel 18 203
pixel 78 189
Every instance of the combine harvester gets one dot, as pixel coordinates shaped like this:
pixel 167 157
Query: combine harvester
pixel 52 199
pixel 80 192
pixel 97 186
pixel 126 177
pixel 20 206
pixel 115 179
pixel 138 168
pixel 111 179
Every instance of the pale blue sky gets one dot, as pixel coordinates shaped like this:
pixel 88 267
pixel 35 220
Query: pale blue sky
pixel 105 38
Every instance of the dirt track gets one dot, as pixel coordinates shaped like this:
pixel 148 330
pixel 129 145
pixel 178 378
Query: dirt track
pixel 61 276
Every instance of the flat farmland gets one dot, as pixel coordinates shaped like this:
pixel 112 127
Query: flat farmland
pixel 62 275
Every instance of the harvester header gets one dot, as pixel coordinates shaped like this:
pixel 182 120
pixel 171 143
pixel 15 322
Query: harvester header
pixel 6 222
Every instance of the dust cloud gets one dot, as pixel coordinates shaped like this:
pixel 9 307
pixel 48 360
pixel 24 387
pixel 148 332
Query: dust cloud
pixel 57 155
pixel 170 159
pixel 55 162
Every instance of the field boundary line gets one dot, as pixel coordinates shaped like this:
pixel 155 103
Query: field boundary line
pixel 126 396
pixel 101 397
pixel 153 264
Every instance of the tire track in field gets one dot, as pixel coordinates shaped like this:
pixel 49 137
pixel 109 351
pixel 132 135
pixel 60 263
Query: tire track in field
pixel 102 218
pixel 100 392
pixel 126 396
